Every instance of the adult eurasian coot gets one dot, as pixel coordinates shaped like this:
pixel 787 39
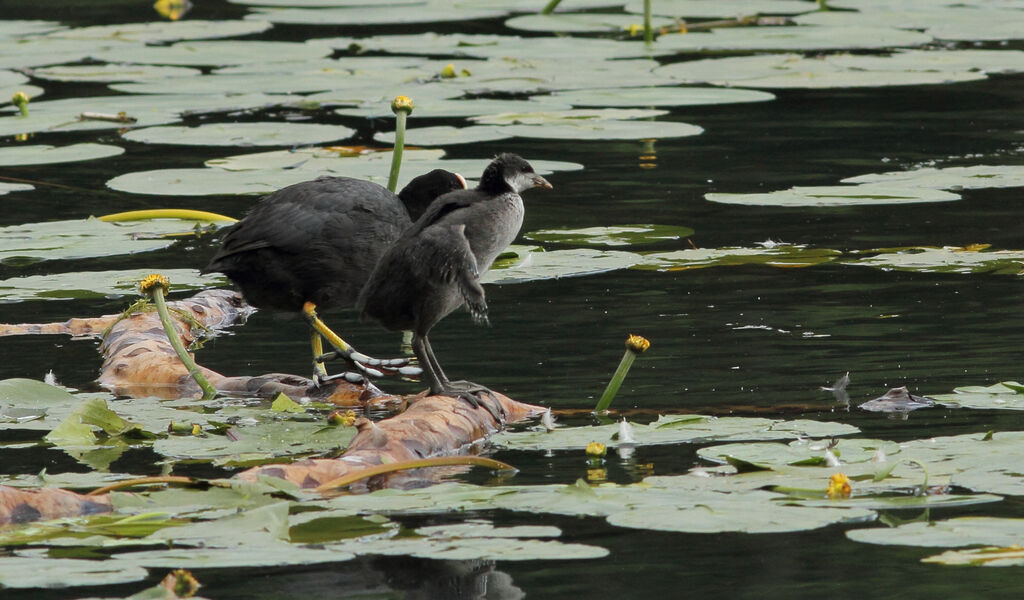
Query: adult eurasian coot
pixel 314 244
pixel 436 265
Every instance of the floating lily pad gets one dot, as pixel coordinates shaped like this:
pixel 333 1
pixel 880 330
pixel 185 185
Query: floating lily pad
pixel 87 238
pixel 7 188
pixel 945 260
pixel 19 28
pixel 1003 396
pixel 837 195
pixel 445 135
pixel 772 255
pixel 48 572
pixel 96 284
pixel 799 453
pixel 582 22
pixel 257 443
pixel 66 114
pixel 972 23
pixel 438 12
pixel 950 533
pixel 750 512
pixel 215 53
pixel 561 263
pixel 793 38
pixel 43 155
pixel 606 130
pixel 164 31
pixel 561 117
pixel 1012 556
pixel 950 178
pixel 521 75
pixel 712 9
pixel 671 430
pixel 293 82
pixel 660 96
pixel 241 134
pixel 111 72
pixel 25 403
pixel 832 71
pixel 615 235
pixel 460 108
pixel 499 46
pixel 40 51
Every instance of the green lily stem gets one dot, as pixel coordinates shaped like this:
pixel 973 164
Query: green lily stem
pixel 396 154
pixel 616 382
pixel 179 348
pixel 648 32
pixel 550 8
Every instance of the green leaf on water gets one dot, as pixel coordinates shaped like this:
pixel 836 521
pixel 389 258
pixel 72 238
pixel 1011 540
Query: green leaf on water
pixel 715 9
pixel 163 31
pixel 950 533
pixel 446 135
pixel 98 284
pixel 614 235
pixel 950 178
pixel 42 154
pixel 215 53
pixel 556 264
pixel 659 96
pixel 6 188
pixel 867 194
pixel 43 571
pixel 1011 556
pixel 111 72
pixel 773 254
pixel 582 22
pixel 283 404
pixel 241 134
pixel 974 259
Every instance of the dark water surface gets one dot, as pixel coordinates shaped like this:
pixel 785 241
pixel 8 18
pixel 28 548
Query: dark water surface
pixel 748 340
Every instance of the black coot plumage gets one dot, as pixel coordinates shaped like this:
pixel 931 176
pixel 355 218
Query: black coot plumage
pixel 314 244
pixel 436 265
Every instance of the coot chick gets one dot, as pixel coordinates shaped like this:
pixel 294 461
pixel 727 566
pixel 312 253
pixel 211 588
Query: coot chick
pixel 314 244
pixel 436 265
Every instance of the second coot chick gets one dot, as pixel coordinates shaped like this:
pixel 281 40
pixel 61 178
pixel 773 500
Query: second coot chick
pixel 436 265
pixel 314 244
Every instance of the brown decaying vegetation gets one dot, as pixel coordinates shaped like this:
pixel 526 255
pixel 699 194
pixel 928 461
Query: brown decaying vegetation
pixel 139 361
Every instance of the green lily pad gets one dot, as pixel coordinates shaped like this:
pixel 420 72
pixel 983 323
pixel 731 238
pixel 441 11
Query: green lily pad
pixel 615 235
pixel 837 195
pixel 606 130
pixel 659 96
pixel 214 53
pixel 40 51
pixel 750 512
pixel 944 260
pixel 561 263
pixel 972 23
pixel 500 46
pixel 469 107
pixel 46 572
pixel 111 72
pixel 44 155
pixel 88 238
pixel 713 9
pixel 771 254
pixel 445 135
pixel 803 38
pixel 1012 556
pixel 522 75
pixel 561 117
pixel 801 452
pixel 950 533
pixel 257 443
pixel 97 284
pixel 7 188
pixel 438 12
pixel 832 71
pixel 20 28
pixel 338 160
pixel 163 31
pixel 1003 396
pixel 671 430
pixel 64 114
pixel 241 134
pixel 582 22
pixel 950 178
